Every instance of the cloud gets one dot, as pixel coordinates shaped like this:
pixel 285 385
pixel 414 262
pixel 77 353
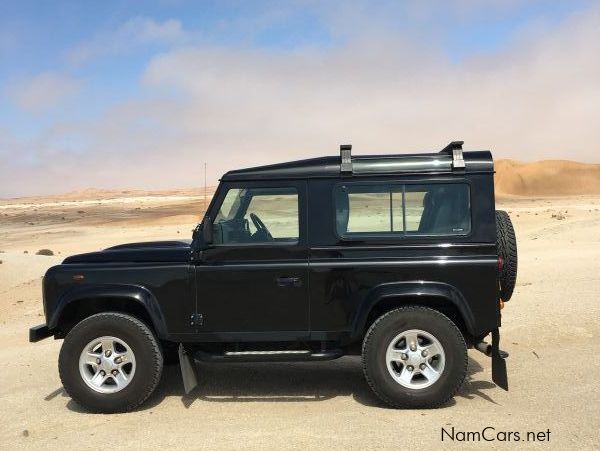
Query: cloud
pixel 384 91
pixel 44 91
pixel 135 32
pixel 539 98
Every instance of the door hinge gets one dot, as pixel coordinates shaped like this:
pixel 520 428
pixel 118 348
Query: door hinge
pixel 195 255
pixel 196 319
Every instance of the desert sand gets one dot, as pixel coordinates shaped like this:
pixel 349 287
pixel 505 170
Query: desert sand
pixel 550 328
pixel 546 178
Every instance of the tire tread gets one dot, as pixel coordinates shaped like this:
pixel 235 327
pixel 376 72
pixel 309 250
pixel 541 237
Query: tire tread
pixel 507 248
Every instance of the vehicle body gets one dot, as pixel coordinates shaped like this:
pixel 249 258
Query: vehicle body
pixel 313 279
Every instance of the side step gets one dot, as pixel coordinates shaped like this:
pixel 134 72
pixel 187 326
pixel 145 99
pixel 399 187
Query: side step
pixel 269 356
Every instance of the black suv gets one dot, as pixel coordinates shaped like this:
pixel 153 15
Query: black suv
pixel 402 259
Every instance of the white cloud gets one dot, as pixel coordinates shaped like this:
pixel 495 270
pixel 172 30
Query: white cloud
pixel 538 99
pixel 44 91
pixel 135 32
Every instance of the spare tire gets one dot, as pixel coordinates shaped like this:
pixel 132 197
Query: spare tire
pixel 506 243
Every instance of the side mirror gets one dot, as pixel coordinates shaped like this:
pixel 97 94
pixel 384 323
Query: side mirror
pixel 207 230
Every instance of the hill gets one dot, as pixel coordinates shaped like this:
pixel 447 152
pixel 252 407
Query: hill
pixel 546 178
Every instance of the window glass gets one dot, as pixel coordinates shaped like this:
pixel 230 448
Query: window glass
pixel 371 212
pixel 397 210
pixel 258 215
pixel 437 208
pixel 369 209
pixel 233 196
pixel 414 209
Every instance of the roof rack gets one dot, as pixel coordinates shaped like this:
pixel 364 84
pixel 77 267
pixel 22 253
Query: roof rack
pixel 455 149
pixel 346 157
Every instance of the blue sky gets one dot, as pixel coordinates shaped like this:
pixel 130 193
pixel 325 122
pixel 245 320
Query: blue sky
pixel 177 82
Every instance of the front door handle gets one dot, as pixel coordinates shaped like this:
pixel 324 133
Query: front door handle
pixel 289 281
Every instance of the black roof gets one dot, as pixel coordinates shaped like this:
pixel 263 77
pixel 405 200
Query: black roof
pixel 367 165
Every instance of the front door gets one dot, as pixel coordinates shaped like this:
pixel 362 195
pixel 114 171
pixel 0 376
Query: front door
pixel 252 281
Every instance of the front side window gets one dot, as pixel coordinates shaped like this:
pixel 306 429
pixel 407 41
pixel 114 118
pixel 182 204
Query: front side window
pixel 429 209
pixel 258 215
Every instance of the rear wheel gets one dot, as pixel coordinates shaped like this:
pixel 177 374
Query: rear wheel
pixel 110 362
pixel 414 357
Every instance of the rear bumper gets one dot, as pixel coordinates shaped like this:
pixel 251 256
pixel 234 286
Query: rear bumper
pixel 38 333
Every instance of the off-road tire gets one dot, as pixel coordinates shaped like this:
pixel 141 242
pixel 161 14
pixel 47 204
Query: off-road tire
pixel 383 331
pixel 148 356
pixel 506 243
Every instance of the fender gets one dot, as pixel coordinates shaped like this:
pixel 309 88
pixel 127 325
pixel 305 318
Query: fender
pixel 415 288
pixel 131 293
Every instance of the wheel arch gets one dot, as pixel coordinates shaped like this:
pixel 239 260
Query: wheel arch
pixel 437 295
pixel 84 301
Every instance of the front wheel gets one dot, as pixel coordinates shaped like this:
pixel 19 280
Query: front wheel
pixel 110 362
pixel 414 357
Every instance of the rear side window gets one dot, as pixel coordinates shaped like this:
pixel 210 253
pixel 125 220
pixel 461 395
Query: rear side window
pixel 428 209
pixel 438 209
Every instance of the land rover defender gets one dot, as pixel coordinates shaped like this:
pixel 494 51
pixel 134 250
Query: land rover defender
pixel 401 259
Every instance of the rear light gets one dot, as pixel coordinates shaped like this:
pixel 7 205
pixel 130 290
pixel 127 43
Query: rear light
pixel 500 262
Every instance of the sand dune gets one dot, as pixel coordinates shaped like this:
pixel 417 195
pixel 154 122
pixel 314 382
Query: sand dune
pixel 546 178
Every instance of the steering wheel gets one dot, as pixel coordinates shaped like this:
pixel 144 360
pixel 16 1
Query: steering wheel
pixel 260 226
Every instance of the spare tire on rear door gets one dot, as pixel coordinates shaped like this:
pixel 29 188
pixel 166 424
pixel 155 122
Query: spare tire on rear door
pixel 507 250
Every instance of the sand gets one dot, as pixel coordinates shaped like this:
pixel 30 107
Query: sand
pixel 546 178
pixel 550 329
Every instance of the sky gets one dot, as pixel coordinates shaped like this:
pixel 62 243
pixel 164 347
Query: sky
pixel 139 95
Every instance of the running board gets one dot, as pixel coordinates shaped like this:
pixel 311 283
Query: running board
pixel 269 356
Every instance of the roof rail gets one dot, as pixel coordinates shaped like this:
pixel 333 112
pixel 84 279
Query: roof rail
pixel 346 158
pixel 455 149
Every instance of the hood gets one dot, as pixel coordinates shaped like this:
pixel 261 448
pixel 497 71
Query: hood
pixel 148 252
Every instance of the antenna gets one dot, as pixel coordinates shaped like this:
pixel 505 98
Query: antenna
pixel 204 201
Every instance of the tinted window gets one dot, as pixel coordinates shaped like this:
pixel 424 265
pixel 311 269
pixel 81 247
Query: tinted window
pixel 438 209
pixel 402 209
pixel 258 215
